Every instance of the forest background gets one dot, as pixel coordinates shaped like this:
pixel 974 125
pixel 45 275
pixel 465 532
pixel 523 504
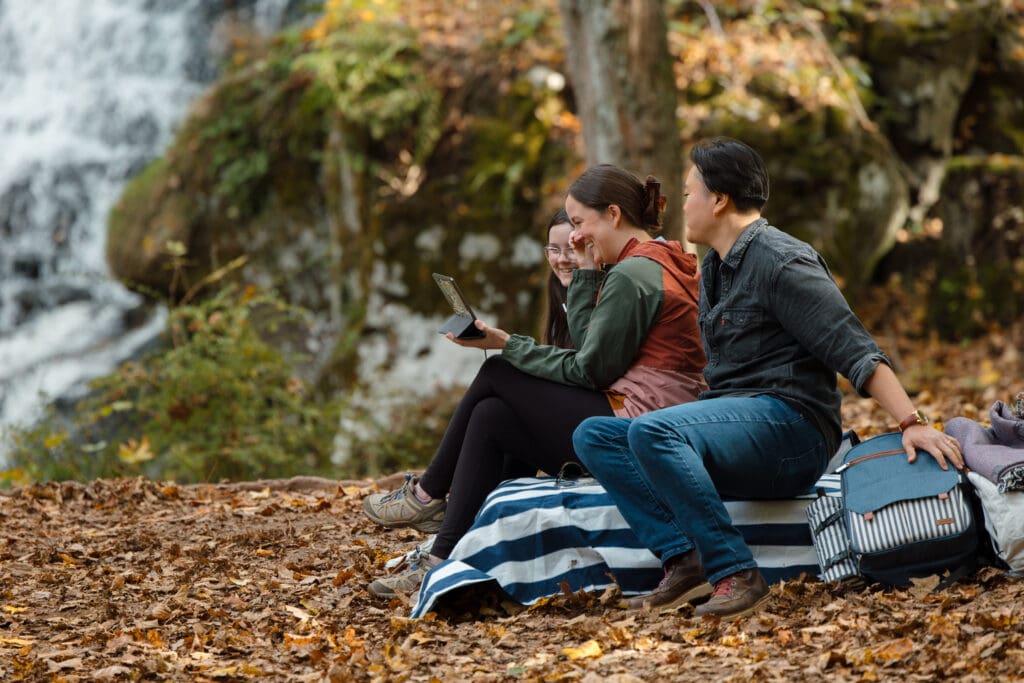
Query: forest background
pixel 293 225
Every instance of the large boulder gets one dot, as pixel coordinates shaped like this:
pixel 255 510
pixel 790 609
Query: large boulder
pixel 980 268
pixel 349 162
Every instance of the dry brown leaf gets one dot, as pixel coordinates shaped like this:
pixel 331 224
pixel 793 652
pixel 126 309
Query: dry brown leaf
pixel 587 650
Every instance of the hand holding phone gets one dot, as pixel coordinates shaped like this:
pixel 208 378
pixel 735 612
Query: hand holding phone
pixel 460 324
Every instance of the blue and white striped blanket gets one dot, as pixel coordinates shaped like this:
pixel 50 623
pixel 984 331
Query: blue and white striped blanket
pixel 530 536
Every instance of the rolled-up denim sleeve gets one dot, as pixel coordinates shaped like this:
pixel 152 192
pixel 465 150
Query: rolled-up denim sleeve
pixel 808 304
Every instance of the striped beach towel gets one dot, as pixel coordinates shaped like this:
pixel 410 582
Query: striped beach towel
pixel 531 536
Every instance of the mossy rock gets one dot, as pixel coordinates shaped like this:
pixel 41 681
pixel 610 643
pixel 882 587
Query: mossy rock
pixel 991 119
pixel 980 266
pixel 150 215
pixel 278 164
pixel 833 184
pixel 245 157
pixel 922 58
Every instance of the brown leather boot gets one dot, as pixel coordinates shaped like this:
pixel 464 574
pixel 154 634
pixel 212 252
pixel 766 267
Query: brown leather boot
pixel 684 582
pixel 737 595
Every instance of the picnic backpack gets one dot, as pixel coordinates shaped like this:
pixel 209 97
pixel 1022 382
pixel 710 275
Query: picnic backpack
pixel 894 520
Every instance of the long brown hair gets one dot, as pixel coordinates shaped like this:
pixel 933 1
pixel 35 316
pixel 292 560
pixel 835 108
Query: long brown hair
pixel 556 325
pixel 605 184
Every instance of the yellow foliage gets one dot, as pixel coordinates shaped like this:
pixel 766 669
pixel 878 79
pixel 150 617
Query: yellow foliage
pixel 54 440
pixel 989 375
pixel 133 452
pixel 15 477
pixel 588 649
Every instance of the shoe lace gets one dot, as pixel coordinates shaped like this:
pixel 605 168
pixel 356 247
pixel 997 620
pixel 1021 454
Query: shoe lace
pixel 398 493
pixel 725 586
pixel 417 557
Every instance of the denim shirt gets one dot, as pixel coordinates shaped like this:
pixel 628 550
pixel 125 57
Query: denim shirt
pixel 773 321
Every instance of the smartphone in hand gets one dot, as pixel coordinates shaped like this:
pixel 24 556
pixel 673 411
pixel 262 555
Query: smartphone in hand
pixel 461 323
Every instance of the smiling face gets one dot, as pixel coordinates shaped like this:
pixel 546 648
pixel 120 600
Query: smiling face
pixel 561 257
pixel 594 228
pixel 698 208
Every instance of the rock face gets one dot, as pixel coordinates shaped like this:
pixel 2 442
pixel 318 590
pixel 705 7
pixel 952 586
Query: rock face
pixel 348 163
pixel 980 265
pixel 351 161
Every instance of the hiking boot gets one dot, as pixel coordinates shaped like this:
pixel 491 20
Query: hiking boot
pixel 684 582
pixel 400 508
pixel 737 595
pixel 417 564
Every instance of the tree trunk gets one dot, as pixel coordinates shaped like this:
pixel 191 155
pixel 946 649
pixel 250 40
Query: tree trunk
pixel 621 72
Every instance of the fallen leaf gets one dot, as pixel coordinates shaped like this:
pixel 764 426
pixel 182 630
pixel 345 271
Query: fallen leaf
pixel 733 640
pixel 223 672
pixel 921 587
pixel 294 640
pixel 18 642
pixel 110 672
pixel 297 612
pixel 895 649
pixel 588 649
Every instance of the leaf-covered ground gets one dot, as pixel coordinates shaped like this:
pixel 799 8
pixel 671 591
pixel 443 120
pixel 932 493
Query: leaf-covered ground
pixel 133 579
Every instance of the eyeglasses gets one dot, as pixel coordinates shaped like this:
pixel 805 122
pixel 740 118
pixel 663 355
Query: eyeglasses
pixel 555 252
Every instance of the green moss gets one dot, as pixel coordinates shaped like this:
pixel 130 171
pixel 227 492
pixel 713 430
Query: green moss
pixel 992 164
pixel 219 402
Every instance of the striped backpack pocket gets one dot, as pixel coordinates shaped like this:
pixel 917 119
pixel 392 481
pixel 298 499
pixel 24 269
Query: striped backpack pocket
pixel 828 531
pixel 904 519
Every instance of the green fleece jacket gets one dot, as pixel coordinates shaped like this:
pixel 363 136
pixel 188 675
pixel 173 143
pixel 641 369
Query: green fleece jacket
pixel 620 317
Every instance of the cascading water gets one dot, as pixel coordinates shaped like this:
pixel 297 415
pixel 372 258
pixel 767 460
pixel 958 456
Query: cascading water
pixel 90 92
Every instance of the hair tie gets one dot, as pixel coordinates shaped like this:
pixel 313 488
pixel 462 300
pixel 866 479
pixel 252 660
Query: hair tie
pixel 652 204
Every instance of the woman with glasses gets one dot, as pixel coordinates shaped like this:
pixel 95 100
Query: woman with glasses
pixel 632 320
pixel 562 260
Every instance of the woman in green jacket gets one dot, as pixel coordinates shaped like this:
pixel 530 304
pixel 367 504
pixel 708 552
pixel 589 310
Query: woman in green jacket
pixel 632 316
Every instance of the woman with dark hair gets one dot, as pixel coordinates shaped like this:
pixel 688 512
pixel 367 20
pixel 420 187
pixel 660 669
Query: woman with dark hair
pixel 634 324
pixel 776 330
pixel 562 259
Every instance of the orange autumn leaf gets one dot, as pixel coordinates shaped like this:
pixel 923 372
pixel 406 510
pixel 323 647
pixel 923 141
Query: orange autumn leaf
pixel 587 650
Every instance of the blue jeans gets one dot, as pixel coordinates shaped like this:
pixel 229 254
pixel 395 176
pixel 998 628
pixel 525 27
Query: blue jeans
pixel 667 470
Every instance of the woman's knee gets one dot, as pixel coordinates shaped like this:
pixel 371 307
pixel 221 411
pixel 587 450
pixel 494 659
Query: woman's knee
pixel 491 414
pixel 494 365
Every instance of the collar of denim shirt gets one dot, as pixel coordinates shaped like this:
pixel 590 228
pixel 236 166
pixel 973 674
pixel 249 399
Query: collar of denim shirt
pixel 739 248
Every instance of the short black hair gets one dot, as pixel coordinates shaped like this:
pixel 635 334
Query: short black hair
pixel 732 168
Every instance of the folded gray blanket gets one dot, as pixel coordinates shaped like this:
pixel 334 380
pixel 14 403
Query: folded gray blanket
pixel 995 452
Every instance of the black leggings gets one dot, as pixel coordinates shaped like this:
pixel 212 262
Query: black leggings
pixel 509 424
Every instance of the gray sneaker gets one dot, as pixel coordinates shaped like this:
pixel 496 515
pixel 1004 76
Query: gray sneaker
pixel 417 564
pixel 400 508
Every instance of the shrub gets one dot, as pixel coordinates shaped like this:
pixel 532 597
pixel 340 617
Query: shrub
pixel 218 402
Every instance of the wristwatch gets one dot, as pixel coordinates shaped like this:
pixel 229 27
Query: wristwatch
pixel 915 418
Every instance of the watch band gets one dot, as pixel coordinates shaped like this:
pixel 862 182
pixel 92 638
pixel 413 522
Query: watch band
pixel 915 418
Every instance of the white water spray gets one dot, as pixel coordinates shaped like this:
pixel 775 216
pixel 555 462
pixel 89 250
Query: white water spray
pixel 90 92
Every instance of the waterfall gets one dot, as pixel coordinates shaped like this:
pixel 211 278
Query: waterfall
pixel 90 91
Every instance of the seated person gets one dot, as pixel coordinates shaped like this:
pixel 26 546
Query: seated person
pixel 776 330
pixel 634 333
